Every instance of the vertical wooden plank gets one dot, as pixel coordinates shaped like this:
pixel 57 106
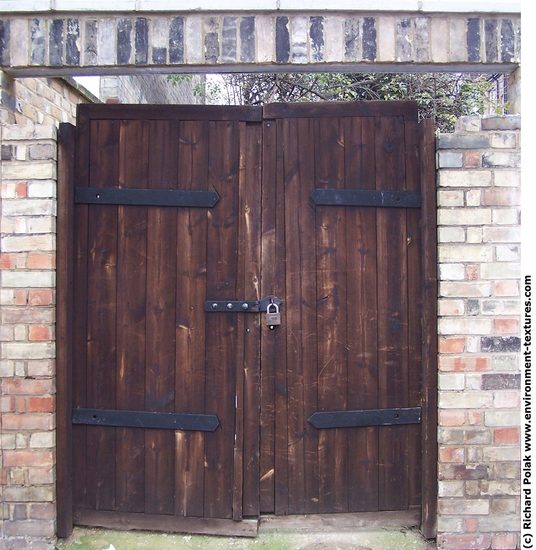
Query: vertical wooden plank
pixel 131 326
pixel 250 212
pixel 414 247
pixel 362 314
pixel 429 327
pixel 222 341
pixel 277 340
pixel 270 263
pixel 331 298
pixel 392 316
pixel 64 328
pixel 80 297
pixel 101 324
pixel 191 258
pixel 160 320
pixel 300 305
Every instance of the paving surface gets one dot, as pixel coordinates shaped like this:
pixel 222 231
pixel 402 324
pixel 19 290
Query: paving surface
pixel 381 539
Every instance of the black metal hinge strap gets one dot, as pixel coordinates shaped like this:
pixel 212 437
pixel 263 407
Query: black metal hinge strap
pixel 142 419
pixel 365 197
pixel 145 197
pixel 365 417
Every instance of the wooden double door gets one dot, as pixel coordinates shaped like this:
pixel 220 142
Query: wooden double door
pixel 188 412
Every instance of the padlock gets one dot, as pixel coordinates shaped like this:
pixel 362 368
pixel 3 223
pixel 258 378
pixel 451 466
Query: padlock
pixel 273 318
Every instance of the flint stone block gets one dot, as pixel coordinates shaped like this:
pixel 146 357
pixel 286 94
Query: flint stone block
pixel 72 47
pixel 228 40
pixel 247 39
pixel 369 38
pixel 90 49
pixel 473 39
pixel 142 41
pixel 124 44
pixel 55 45
pixel 352 39
pixel 316 33
pixel 38 42
pixel 159 56
pixel 404 40
pixel 176 40
pixel 507 41
pixel 491 40
pixel 282 40
pixel 4 42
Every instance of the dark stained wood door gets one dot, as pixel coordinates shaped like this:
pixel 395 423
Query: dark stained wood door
pixel 143 341
pixel 350 278
pixel 323 205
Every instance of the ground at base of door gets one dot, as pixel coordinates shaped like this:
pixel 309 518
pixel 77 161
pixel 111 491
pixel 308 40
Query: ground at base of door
pixel 105 539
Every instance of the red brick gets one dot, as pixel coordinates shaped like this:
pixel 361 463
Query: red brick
pixel 7 261
pixel 451 454
pixel 41 261
pixel 471 363
pixel 451 418
pixel 472 159
pixel 25 386
pixel 472 272
pixel 470 525
pixel 27 421
pixel 505 288
pixel 19 458
pixel 463 542
pixel 40 404
pixel 474 418
pixel 40 333
pixel 500 197
pixel 506 436
pixel 506 326
pixel 21 191
pixel 504 542
pixel 42 510
pixel 41 297
pixel 451 345
pixel 21 297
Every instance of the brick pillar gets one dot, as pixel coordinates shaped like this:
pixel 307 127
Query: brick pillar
pixel 27 480
pixel 479 324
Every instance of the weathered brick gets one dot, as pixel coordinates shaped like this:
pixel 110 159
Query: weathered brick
pixel 464 216
pixel 33 279
pixel 464 326
pixel 27 422
pixel 506 436
pixel 500 159
pixel 30 528
pixel 451 307
pixel 449 344
pixel 505 122
pixel 506 288
pixel 449 198
pixel 468 124
pixel 449 159
pixel 465 178
pixel 453 541
pixel 501 418
pixel 458 506
pixel 465 363
pixel 451 381
pixel 466 289
pixel 501 197
pixel 500 343
pixel 451 272
pixel 500 270
pixel 472 252
pixel 30 350
pixel 507 178
pixel 465 400
pixel 504 542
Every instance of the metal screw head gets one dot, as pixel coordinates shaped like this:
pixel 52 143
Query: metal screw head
pixel 214 306
pixel 229 306
pixel 245 305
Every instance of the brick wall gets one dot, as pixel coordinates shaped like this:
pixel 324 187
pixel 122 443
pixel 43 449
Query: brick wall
pixel 27 455
pixel 39 100
pixel 479 324
pixel 152 88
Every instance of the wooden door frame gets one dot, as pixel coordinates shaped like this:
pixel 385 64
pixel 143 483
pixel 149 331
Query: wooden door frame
pixel 67 138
